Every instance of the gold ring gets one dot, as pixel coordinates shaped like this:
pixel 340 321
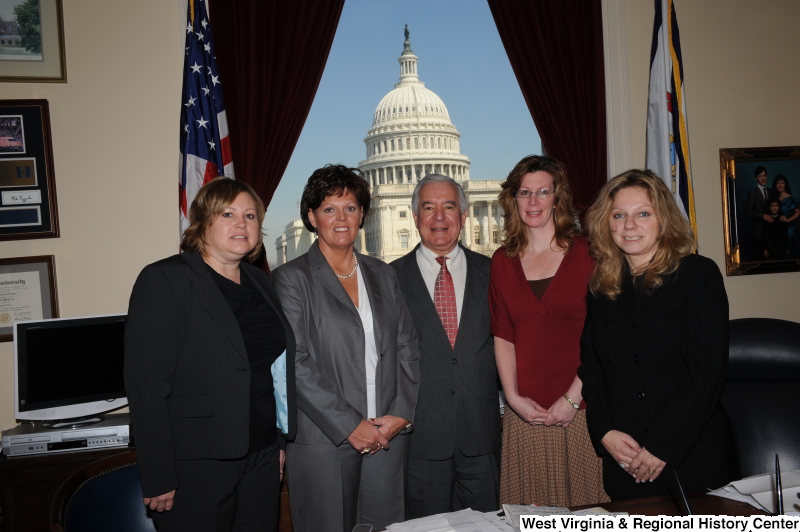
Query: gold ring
pixel 650 471
pixel 365 450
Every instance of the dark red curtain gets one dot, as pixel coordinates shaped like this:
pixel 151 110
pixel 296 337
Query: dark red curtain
pixel 271 55
pixel 556 50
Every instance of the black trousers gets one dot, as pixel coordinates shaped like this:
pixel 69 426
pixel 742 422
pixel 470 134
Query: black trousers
pixel 459 482
pixel 226 495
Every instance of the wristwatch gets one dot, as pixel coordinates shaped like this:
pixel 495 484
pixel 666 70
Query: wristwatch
pixel 573 403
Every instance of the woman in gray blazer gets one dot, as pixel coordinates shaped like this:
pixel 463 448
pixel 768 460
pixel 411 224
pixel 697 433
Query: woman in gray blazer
pixel 357 366
pixel 211 394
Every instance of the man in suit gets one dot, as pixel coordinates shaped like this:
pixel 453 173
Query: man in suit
pixel 757 209
pixel 456 433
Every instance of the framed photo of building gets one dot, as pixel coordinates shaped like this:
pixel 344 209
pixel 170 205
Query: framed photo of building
pixel 761 209
pixel 27 292
pixel 32 41
pixel 28 207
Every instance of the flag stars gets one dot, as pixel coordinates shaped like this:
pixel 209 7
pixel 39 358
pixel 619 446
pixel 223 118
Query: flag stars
pixel 191 101
pixel 199 36
pixel 207 48
pixel 204 23
pixel 206 91
pixel 215 80
pixel 211 145
pixel 202 122
pixel 196 68
pixel 188 28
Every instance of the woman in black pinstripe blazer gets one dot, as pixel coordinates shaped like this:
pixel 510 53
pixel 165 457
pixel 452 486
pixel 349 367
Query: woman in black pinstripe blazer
pixel 655 346
pixel 209 373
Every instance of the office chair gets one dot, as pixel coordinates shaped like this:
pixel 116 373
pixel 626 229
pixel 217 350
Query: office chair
pixel 104 495
pixel 761 393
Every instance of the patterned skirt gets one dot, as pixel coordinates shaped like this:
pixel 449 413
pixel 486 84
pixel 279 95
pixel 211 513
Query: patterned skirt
pixel 549 466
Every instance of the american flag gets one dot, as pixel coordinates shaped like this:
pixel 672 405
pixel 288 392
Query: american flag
pixel 205 145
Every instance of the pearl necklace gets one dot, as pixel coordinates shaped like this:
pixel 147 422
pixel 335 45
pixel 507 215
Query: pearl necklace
pixel 355 258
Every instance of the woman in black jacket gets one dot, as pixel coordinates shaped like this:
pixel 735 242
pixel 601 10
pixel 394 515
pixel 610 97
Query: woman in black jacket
pixel 654 350
pixel 209 372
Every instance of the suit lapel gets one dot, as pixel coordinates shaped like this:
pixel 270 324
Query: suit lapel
pixel 476 280
pixel 322 271
pixel 213 301
pixel 373 284
pixel 419 298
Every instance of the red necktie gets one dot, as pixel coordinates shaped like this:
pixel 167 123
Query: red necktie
pixel 444 297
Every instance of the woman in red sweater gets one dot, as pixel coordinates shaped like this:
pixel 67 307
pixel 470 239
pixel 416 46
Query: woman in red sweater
pixel 537 296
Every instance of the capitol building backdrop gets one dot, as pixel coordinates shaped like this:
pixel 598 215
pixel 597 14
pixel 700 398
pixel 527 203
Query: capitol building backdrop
pixel 411 136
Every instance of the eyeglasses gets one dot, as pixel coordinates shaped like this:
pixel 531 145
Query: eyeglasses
pixel 542 193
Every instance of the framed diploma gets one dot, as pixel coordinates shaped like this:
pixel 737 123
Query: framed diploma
pixel 27 291
pixel 27 180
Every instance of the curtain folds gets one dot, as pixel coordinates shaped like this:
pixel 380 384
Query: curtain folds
pixel 271 56
pixel 556 50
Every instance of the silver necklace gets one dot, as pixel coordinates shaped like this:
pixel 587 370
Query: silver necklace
pixel 355 258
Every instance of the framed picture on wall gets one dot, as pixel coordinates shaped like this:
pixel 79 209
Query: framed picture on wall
pixel 32 41
pixel 28 207
pixel 27 292
pixel 761 209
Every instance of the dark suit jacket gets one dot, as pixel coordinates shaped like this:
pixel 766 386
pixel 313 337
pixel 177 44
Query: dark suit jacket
pixel 655 369
pixel 187 375
pixel 756 208
pixel 329 367
pixel 458 403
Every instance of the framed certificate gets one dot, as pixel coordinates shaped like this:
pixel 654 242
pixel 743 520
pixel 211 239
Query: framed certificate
pixel 28 207
pixel 27 292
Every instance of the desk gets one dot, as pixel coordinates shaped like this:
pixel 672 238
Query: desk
pixel 701 505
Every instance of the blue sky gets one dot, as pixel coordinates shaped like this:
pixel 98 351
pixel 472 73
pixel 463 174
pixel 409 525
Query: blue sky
pixel 461 58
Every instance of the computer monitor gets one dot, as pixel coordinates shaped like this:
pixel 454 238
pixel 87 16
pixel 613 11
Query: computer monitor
pixel 69 368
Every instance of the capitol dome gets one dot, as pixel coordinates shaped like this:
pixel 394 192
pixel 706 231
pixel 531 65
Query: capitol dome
pixel 411 134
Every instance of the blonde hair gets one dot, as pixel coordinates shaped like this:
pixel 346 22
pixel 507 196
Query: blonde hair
pixel 211 200
pixel 565 215
pixel 675 241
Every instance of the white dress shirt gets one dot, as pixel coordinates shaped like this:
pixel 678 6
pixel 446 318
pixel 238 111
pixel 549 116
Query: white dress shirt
pixel 456 265
pixel 370 348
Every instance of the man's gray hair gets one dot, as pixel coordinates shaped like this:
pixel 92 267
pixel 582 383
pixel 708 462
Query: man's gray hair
pixel 438 178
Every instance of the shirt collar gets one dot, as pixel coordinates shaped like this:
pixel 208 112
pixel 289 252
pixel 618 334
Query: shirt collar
pixel 429 257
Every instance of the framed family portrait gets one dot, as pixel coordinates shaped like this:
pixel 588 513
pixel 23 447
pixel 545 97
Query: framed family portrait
pixel 28 206
pixel 27 292
pixel 761 209
pixel 32 41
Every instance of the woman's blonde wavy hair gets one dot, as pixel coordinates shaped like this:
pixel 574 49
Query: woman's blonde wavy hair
pixel 565 215
pixel 675 242
pixel 211 200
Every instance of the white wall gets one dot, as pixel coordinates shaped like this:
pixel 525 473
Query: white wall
pixel 742 73
pixel 115 149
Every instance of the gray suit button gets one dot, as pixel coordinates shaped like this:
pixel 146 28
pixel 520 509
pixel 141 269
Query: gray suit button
pixel 455 361
pixel 640 395
pixel 452 392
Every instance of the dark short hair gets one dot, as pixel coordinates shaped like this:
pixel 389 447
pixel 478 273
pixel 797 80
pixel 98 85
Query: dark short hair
pixel 786 186
pixel 760 169
pixel 333 180
pixel 211 200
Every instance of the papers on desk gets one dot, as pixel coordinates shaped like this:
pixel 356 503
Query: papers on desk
pixel 472 521
pixel 462 521
pixel 759 490
pixel 514 511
